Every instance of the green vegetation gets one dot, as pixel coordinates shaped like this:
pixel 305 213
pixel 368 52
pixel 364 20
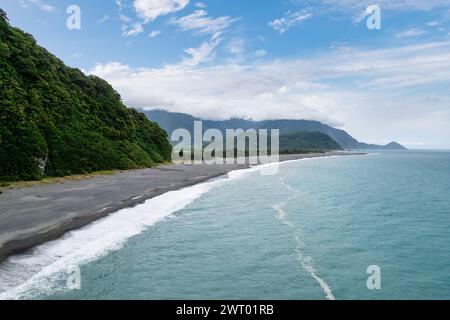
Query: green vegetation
pixel 296 143
pixel 55 121
pixel 306 142
pixel 4 184
pixel 54 180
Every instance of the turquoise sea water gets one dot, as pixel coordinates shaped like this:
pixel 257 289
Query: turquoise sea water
pixel 309 232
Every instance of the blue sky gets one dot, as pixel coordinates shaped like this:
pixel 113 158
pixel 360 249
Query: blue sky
pixel 299 59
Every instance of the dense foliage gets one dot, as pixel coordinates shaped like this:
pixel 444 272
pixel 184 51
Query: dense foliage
pixel 307 141
pixel 56 121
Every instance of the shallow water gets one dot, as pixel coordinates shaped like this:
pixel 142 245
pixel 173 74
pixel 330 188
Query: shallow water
pixel 309 232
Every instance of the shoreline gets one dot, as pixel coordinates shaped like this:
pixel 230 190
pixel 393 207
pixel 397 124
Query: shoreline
pixel 39 214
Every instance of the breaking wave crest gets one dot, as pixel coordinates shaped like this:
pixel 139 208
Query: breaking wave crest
pixel 306 262
pixel 41 270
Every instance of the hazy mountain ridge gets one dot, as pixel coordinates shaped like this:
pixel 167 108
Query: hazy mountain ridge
pixel 172 121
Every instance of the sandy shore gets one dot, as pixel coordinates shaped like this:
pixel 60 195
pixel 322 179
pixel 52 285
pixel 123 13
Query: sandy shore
pixel 32 216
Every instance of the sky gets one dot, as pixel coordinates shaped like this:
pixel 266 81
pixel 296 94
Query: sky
pixel 274 59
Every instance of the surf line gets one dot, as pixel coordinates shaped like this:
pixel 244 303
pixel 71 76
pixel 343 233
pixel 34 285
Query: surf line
pixel 305 261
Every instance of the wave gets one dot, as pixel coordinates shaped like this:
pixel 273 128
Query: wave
pixel 307 262
pixel 37 272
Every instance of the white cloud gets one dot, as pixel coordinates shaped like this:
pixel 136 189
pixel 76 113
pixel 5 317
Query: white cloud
pixel 414 32
pixel 356 9
pixel 155 33
pixel 283 89
pixel 105 18
pixel 38 4
pixel 236 46
pixel 130 27
pixel 394 5
pixel 149 10
pixel 364 90
pixel 202 24
pixel 433 24
pixel 132 30
pixel 289 20
pixel 202 54
pixel 120 5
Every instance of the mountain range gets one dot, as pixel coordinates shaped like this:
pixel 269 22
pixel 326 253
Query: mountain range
pixel 170 121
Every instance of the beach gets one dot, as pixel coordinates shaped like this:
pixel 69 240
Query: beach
pixel 250 236
pixel 35 215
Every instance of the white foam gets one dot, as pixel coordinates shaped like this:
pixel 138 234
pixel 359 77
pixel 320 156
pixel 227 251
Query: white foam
pixel 306 261
pixel 22 276
pixel 312 272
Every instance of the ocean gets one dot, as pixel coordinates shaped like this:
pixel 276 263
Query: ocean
pixel 313 231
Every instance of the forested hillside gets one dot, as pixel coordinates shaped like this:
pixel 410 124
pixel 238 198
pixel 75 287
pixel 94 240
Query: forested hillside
pixel 307 141
pixel 171 121
pixel 56 121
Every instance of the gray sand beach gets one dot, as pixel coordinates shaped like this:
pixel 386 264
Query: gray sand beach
pixel 32 216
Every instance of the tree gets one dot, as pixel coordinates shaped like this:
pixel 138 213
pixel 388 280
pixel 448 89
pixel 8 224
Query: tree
pixel 55 121
pixel 3 15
